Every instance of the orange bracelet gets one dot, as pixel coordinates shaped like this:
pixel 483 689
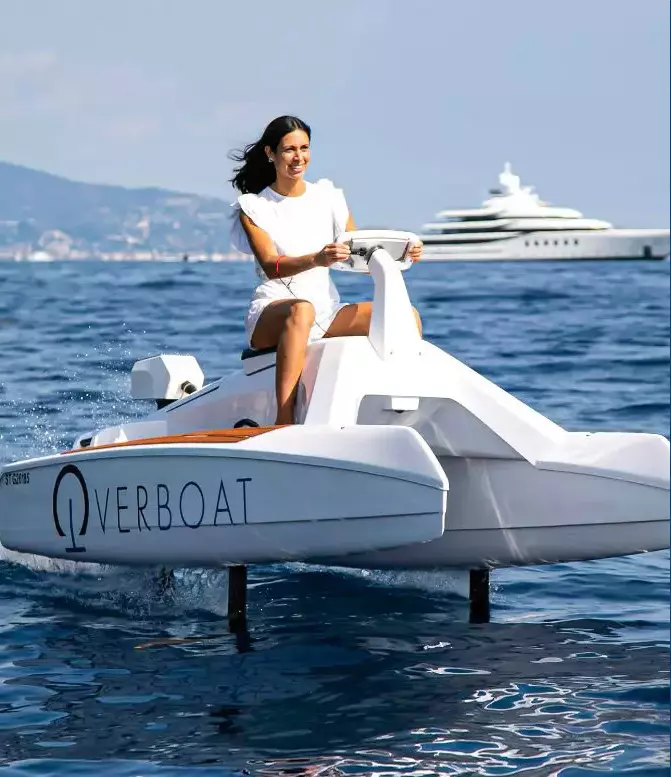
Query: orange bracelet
pixel 277 264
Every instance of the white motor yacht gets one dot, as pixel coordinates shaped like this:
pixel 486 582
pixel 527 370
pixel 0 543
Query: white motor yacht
pixel 515 224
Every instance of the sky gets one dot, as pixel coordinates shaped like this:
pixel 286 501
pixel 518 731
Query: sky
pixel 415 105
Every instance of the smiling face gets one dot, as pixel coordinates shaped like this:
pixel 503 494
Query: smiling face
pixel 291 157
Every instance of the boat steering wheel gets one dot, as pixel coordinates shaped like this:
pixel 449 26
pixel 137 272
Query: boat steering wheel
pixel 364 242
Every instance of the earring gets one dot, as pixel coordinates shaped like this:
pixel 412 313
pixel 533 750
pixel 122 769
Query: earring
pixel 270 159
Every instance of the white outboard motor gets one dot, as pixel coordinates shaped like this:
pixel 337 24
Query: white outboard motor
pixel 165 378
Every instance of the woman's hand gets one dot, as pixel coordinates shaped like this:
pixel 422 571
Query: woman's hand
pixel 331 253
pixel 415 252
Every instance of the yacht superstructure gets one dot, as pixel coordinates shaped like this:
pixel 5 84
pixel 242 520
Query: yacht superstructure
pixel 515 224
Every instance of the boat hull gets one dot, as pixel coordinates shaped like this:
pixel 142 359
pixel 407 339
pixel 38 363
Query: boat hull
pixel 509 513
pixel 624 244
pixel 217 504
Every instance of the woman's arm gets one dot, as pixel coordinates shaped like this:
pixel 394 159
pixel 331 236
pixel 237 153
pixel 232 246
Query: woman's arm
pixel 266 255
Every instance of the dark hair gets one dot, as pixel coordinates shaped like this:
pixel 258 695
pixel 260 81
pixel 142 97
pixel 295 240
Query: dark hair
pixel 255 172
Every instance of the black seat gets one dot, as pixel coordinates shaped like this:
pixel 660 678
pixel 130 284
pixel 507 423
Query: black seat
pixel 250 353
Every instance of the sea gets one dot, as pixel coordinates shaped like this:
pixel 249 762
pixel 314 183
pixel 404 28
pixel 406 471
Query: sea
pixel 339 672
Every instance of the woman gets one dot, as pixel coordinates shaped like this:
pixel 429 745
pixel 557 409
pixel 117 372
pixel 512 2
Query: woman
pixel 291 225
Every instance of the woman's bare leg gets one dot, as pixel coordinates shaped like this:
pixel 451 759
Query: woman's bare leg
pixel 285 324
pixel 354 319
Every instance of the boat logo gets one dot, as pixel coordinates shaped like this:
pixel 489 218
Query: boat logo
pixel 70 469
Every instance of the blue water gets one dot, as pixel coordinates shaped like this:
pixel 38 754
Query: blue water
pixel 341 673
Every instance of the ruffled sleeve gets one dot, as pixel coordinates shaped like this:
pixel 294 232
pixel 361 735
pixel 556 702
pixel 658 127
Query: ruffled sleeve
pixel 338 204
pixel 259 211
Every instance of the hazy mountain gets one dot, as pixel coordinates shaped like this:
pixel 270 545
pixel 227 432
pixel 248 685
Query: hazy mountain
pixel 44 212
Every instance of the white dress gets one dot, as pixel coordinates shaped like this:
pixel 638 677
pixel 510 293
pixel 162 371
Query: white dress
pixel 297 226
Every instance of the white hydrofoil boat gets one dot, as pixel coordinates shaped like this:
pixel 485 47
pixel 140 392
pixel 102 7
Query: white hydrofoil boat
pixel 401 457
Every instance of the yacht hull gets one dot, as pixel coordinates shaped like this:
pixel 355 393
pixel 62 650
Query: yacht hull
pixel 625 244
